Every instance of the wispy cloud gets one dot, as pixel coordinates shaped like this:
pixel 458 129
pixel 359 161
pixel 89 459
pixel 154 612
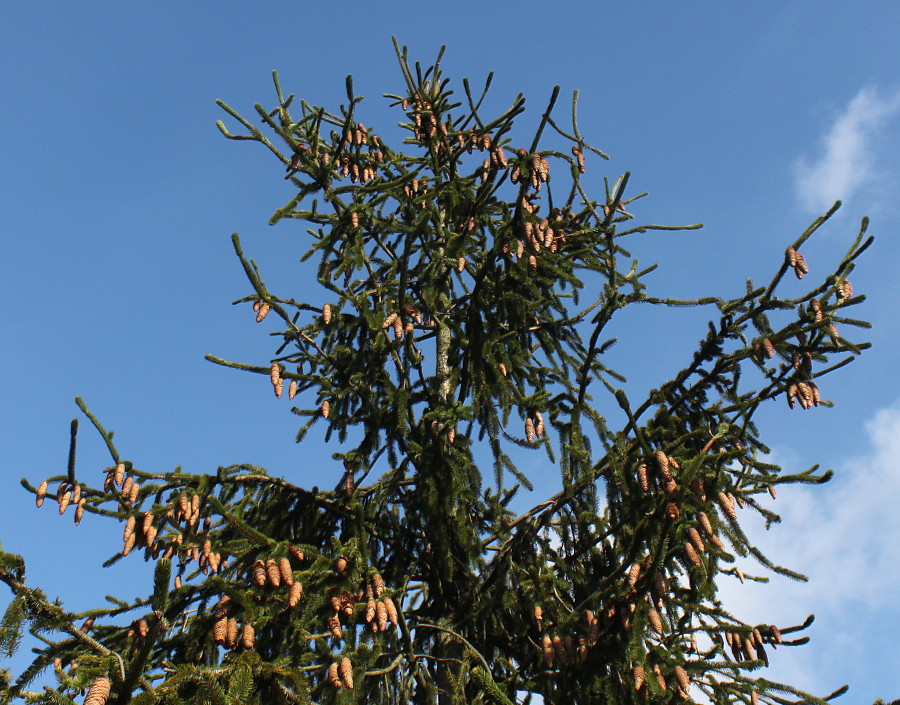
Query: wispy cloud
pixel 844 537
pixel 847 157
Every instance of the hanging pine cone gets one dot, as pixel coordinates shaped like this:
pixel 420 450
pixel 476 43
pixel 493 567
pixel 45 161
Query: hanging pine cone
pixel 845 290
pixel 334 625
pixel 64 501
pixel 79 511
pixel 653 617
pixel 662 464
pixel 259 573
pixel 529 430
pixel 98 692
pixel 768 348
pixel 643 478
pixel 292 389
pixel 698 489
pixel 296 553
pixel 696 541
pixel 273 573
pixel 660 680
pixel 378 584
pixel 683 681
pixel 346 671
pixel 547 649
pixel 692 555
pixel 325 408
pixel 295 594
pixel 40 494
pixel 391 610
pixel 539 424
pixel 285 572
pixel 263 312
pixel 381 618
pixel 727 505
pixel 220 630
pixel 638 672
pixel 248 636
pixel 633 574
pixel 370 610
pixel 340 566
pixel 119 474
pixel 333 676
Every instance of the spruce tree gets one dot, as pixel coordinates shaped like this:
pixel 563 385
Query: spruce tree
pixel 467 283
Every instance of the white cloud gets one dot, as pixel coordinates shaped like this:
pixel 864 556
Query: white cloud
pixel 846 538
pixel 848 157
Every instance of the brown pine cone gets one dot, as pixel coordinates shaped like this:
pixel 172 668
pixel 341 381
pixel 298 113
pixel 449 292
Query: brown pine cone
pixel 98 692
pixel 346 671
pixel 248 636
pixel 284 569
pixel 295 594
pixel 272 573
pixel 333 677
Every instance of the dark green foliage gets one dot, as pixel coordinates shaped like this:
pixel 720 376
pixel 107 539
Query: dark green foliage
pixel 466 321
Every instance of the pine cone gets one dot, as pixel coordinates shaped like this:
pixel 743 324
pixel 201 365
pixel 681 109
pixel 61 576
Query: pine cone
pixel 333 677
pixel 340 566
pixel 40 494
pixel 325 408
pixel 220 630
pixel 79 511
pixel 660 680
pixel 643 479
pixel 381 618
pixel 334 625
pixel 768 348
pixel 296 553
pixel 692 556
pixel 273 573
pixel 346 672
pixel 634 573
pixel 370 610
pixel 638 677
pixel 284 569
pixel 662 464
pixel 727 505
pixel 292 389
pixel 529 430
pixel 378 584
pixel 275 373
pixel 790 257
pixel 248 636
pixel 119 474
pixel 547 649
pixel 259 573
pixel 682 677
pixel 98 692
pixel 655 620
pixel 698 489
pixel 845 290
pixel 391 610
pixel 295 594
pixel 64 501
pixel 696 541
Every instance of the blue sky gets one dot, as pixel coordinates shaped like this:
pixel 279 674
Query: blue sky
pixel 119 196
